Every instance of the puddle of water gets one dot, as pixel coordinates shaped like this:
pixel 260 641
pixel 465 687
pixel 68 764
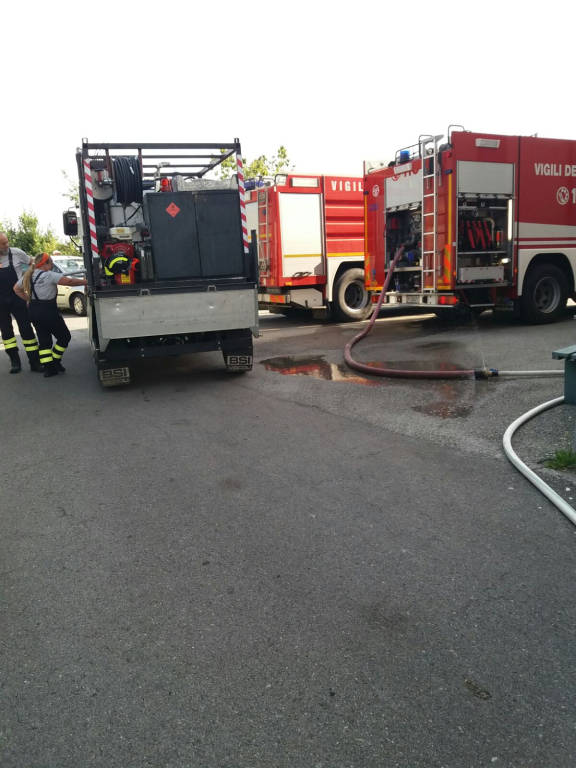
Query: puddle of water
pixel 450 407
pixel 318 368
pixel 420 365
pixel 452 404
pixel 445 410
pixel 438 345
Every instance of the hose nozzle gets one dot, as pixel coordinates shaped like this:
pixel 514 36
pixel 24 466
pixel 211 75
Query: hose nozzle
pixel 485 373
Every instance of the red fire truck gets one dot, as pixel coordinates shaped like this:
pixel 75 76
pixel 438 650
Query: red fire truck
pixel 310 234
pixel 485 220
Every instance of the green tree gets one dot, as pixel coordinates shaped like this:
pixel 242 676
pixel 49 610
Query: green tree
pixel 261 166
pixel 72 194
pixel 27 235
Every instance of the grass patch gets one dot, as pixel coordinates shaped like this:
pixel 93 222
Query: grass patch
pixel 562 460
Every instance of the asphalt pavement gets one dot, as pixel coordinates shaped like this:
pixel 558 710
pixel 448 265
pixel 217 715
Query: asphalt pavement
pixel 298 567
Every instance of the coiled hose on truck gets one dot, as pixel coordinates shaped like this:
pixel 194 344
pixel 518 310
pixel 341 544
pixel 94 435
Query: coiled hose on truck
pixel 128 177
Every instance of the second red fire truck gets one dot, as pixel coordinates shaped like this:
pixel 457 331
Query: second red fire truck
pixel 485 221
pixel 310 233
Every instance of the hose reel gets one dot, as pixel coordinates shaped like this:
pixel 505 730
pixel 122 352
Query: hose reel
pixel 128 178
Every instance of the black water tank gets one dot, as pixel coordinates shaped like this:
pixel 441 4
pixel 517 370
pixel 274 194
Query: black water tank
pixel 195 234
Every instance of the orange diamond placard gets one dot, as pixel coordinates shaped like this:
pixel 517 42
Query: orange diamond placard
pixel 173 210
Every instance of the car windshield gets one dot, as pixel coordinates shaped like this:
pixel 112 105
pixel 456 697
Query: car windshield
pixel 68 264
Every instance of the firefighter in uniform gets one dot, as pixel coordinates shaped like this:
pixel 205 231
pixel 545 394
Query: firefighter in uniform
pixel 39 286
pixel 13 262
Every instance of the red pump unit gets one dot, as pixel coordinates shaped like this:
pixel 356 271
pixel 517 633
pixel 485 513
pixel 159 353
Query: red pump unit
pixel 119 261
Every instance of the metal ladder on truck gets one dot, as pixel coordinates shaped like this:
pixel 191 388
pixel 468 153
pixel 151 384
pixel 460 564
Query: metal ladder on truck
pixel 263 247
pixel 429 153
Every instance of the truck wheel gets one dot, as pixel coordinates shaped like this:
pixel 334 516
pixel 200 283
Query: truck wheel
pixel 237 351
pixel 351 299
pixel 544 295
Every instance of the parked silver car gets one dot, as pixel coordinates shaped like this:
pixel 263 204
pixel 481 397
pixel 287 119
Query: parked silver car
pixel 71 297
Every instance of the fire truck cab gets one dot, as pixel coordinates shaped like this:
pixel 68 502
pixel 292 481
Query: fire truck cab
pixel 310 235
pixel 485 221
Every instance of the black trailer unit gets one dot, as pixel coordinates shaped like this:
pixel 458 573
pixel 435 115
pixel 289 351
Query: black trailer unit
pixel 169 266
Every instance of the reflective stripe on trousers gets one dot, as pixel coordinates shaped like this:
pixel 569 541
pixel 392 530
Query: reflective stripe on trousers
pixel 58 351
pixel 30 345
pixel 45 356
pixel 10 343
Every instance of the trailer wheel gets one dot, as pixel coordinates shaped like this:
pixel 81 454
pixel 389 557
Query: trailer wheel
pixel 351 299
pixel 544 295
pixel 237 351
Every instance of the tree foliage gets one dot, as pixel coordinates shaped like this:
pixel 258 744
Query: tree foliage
pixel 261 166
pixel 27 235
pixel 72 194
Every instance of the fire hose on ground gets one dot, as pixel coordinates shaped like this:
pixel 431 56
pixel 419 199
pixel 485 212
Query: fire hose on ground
pixel 475 373
pixel 471 373
pixel 512 456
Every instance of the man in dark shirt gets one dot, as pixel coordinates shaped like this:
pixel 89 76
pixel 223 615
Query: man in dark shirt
pixel 13 263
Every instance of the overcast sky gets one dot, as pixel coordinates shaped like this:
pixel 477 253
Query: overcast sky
pixel 335 82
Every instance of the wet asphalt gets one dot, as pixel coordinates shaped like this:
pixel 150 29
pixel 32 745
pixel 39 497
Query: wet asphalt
pixel 300 566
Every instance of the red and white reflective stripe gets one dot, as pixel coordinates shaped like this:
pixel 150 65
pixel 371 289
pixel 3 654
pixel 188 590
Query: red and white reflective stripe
pixel 240 170
pixel 91 214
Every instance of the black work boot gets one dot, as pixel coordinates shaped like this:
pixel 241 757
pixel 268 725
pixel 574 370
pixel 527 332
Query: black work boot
pixel 16 365
pixel 50 370
pixel 59 367
pixel 34 360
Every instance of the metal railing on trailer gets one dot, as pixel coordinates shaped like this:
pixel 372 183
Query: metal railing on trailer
pixel 170 160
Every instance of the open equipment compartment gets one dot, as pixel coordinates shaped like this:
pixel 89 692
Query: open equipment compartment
pixel 484 223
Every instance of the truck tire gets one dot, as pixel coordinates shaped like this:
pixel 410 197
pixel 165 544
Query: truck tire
pixel 351 299
pixel 237 351
pixel 544 295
